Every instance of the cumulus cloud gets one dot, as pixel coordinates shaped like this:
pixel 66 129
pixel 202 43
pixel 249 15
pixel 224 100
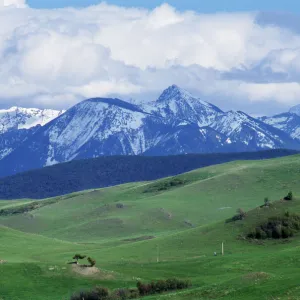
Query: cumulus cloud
pixel 13 3
pixel 55 58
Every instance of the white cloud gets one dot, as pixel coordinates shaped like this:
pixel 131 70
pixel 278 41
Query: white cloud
pixel 283 61
pixel 13 3
pixel 47 56
pixel 284 92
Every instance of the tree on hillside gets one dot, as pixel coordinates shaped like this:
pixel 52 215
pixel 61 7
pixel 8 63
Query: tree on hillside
pixel 289 196
pixel 78 256
pixel 241 214
pixel 91 261
pixel 267 201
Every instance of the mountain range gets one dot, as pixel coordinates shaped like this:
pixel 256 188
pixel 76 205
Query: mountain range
pixel 175 123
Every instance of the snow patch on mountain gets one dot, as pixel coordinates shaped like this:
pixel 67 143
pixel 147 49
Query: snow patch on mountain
pixel 241 128
pixel 25 118
pixel 96 121
pixel 295 110
pixel 177 106
pixel 287 122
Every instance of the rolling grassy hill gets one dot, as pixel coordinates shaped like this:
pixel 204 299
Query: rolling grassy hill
pixel 200 197
pixel 179 219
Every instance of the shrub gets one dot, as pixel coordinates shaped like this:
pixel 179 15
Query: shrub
pixel 144 289
pixel 289 196
pixel 121 294
pixel 133 294
pixel 286 232
pixel 102 292
pixel 171 284
pixel 78 256
pixel 260 234
pixel 86 295
pixel 119 205
pixel 277 232
pixel 161 286
pixel 267 201
pixel 91 261
pixel 241 215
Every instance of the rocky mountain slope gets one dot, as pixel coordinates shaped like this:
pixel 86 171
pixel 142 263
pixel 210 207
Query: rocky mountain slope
pixel 287 122
pixel 25 118
pixel 17 124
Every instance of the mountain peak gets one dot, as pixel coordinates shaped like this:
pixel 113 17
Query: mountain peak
pixel 295 110
pixel 174 92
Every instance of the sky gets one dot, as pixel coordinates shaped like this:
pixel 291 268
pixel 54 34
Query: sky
pixel 242 56
pixel 210 6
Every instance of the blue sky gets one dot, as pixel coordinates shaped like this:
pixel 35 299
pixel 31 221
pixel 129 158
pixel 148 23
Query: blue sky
pixel 201 6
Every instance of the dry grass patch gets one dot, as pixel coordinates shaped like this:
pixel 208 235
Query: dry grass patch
pixel 91 272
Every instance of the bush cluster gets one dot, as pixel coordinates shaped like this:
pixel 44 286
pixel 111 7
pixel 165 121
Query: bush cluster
pixel 99 293
pixel 143 289
pixel 162 286
pixel 277 228
pixel 123 294
pixel 164 185
pixel 241 215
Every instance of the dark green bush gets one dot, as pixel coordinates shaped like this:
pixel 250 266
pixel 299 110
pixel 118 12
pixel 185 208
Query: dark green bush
pixel 87 295
pixel 289 196
pixel 102 292
pixel 162 286
pixel 121 294
pixel 277 228
pixel 286 232
pixel 164 185
pixel 267 202
pixel 144 289
pixel 241 215
pixel 91 261
pixel 79 256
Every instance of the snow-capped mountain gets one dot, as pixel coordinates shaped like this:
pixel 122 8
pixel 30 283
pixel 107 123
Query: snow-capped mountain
pixel 287 122
pixel 295 110
pixel 17 124
pixel 250 134
pixel 97 127
pixel 25 118
pixel 12 139
pixel 178 107
pixel 176 123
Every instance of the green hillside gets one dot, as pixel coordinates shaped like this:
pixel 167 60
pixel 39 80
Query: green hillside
pixel 178 220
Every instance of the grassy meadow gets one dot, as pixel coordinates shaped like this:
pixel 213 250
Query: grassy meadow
pixel 157 230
